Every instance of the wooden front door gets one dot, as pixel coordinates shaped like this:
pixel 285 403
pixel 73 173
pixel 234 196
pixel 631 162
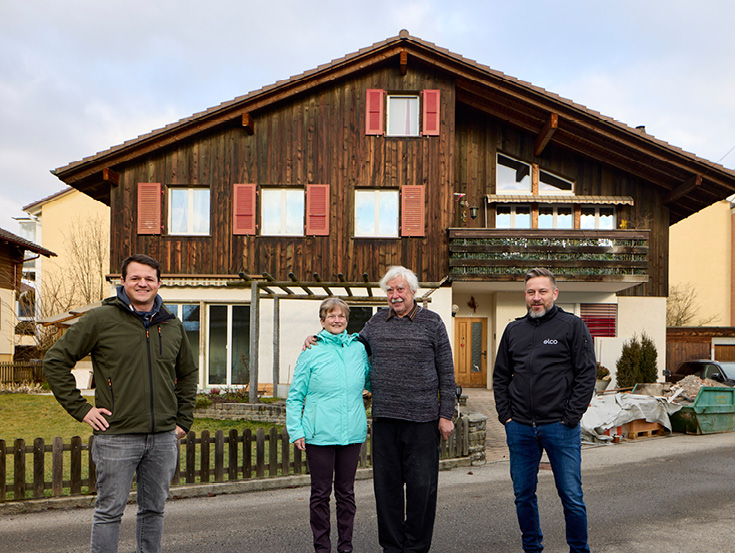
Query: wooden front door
pixel 470 351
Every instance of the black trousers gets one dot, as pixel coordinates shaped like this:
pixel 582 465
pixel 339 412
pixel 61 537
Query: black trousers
pixel 405 461
pixel 327 464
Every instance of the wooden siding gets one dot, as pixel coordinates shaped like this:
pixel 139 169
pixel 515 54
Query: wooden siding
pixel 11 266
pixel 318 139
pixel 480 137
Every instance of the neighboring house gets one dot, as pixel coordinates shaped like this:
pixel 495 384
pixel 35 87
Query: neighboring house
pixel 702 260
pixel 77 227
pixel 400 153
pixel 13 251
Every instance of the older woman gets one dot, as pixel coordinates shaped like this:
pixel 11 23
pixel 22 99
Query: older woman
pixel 325 416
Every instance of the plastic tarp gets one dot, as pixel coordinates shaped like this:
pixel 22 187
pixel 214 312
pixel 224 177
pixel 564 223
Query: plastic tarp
pixel 608 411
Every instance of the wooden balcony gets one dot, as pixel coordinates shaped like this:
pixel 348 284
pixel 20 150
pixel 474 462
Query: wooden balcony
pixel 572 255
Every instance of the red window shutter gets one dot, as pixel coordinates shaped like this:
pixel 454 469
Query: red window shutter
pixel 375 104
pixel 431 112
pixel 243 208
pixel 600 318
pixel 412 210
pixel 317 209
pixel 149 208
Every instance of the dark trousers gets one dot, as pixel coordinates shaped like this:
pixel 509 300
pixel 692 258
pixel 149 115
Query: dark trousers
pixel 405 454
pixel 327 464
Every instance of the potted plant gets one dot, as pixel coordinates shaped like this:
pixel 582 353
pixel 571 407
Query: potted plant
pixel 603 378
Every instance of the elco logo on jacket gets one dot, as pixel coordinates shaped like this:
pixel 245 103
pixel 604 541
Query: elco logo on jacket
pixel 547 379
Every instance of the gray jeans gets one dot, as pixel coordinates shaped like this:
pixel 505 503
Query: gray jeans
pixel 118 458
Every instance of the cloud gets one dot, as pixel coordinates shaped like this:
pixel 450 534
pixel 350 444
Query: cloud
pixel 79 76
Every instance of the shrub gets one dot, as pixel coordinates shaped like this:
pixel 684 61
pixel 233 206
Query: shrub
pixel 648 368
pixel 202 402
pixel 602 372
pixel 637 362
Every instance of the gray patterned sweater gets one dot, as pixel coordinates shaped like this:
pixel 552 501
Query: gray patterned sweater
pixel 413 373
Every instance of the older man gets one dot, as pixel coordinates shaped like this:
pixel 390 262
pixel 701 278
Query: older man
pixel 543 381
pixel 412 382
pixel 146 387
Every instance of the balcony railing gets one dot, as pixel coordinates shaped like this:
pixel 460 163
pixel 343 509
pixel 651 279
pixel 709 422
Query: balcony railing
pixel 582 255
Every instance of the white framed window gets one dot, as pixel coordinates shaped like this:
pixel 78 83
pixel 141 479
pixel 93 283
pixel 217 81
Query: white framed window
pixel 512 176
pixel 597 218
pixel 554 184
pixel 188 211
pixel 190 316
pixel 555 217
pixel 228 345
pixel 403 115
pixel 282 212
pixel 376 213
pixel 513 216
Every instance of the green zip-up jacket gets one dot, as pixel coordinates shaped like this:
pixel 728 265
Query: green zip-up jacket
pixel 146 378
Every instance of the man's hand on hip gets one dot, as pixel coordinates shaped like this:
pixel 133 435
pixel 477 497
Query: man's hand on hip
pixel 446 427
pixel 96 420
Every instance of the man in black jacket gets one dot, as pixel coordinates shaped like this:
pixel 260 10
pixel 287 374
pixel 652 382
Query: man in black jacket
pixel 543 381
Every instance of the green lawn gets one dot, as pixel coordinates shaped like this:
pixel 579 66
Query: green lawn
pixel 40 416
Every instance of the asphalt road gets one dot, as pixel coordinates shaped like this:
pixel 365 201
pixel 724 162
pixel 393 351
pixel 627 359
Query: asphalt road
pixel 655 495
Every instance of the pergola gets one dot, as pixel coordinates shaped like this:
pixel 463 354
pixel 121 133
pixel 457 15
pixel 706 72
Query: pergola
pixel 267 287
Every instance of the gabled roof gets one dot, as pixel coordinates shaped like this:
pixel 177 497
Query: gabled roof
pixel 689 182
pixel 35 206
pixel 23 244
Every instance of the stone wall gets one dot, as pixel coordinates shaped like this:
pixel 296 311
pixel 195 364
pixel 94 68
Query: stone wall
pixel 262 412
pixel 478 433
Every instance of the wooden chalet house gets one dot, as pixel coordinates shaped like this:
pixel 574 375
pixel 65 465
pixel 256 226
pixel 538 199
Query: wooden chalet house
pixel 400 153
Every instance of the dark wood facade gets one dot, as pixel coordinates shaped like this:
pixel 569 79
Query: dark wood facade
pixel 318 138
pixel 311 130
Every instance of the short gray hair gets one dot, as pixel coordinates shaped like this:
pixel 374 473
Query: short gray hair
pixel 330 304
pixel 408 276
pixel 541 272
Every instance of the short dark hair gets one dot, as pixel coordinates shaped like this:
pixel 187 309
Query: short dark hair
pixel 143 260
pixel 540 272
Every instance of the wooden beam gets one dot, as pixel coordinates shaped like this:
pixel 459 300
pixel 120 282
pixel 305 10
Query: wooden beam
pixel 367 288
pixel 110 176
pixel 683 189
pixel 404 62
pixel 247 123
pixel 341 278
pixel 546 133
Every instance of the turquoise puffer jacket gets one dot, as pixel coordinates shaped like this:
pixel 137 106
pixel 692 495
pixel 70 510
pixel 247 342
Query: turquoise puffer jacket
pixel 324 403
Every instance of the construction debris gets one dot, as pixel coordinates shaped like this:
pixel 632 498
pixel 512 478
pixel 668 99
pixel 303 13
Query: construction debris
pixel 686 390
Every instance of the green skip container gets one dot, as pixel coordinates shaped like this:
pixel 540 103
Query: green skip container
pixel 713 411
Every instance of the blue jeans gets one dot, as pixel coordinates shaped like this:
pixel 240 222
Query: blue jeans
pixel 563 446
pixel 118 458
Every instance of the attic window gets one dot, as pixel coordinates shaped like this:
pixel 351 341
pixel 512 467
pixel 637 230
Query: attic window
pixel 513 176
pixel 188 211
pixel 403 115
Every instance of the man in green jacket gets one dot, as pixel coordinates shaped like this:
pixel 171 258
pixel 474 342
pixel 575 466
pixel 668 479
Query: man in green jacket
pixel 146 383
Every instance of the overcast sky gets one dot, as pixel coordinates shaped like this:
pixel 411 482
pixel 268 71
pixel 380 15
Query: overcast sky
pixel 79 76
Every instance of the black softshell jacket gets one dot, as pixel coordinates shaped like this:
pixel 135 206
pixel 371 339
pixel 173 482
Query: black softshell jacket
pixel 545 370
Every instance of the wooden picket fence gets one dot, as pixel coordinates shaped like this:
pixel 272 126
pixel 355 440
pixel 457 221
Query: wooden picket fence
pixel 15 373
pixel 203 459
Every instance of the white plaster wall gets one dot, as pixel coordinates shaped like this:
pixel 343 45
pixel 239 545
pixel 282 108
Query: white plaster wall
pixel 636 315
pixel 7 327
pixel 298 319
